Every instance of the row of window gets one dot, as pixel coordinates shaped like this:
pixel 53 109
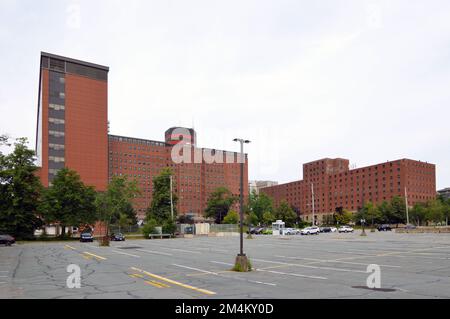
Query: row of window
pixel 57 107
pixel 56 121
pixel 56 159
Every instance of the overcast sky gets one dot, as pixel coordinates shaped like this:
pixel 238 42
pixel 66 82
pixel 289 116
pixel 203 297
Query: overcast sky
pixel 361 79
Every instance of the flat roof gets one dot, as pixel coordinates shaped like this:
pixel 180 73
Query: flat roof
pixel 60 57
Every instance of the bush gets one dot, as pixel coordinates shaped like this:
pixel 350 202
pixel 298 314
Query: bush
pixel 231 218
pixel 169 227
pixel 149 228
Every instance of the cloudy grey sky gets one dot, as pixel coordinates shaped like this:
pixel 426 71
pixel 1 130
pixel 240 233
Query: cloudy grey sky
pixel 365 80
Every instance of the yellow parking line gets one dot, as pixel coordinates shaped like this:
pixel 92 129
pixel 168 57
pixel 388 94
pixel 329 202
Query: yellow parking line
pixel 70 247
pixel 136 276
pixel 154 284
pixel 96 256
pixel 204 291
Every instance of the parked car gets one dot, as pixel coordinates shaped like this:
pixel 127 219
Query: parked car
pixel 325 229
pixel 345 229
pixel 7 240
pixel 291 231
pixel 333 229
pixel 117 237
pixel 256 230
pixel 86 237
pixel 313 230
pixel 384 227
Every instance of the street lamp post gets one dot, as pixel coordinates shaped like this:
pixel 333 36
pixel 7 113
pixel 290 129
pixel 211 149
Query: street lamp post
pixel 363 222
pixel 241 259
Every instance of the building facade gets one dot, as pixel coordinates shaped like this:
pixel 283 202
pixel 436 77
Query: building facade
pixel 445 193
pixel 72 128
pixel 332 186
pixel 72 131
pixel 256 186
pixel 193 181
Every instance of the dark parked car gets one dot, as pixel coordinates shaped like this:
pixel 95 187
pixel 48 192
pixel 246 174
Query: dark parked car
pixel 256 230
pixel 7 240
pixel 86 237
pixel 117 237
pixel 384 228
pixel 325 229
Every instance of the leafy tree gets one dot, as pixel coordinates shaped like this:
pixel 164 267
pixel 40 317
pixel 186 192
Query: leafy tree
pixel 344 217
pixel 397 213
pixel 231 218
pixel 370 213
pixel 159 212
pixel 252 219
pixel 285 213
pixel 268 218
pixel 385 211
pixel 68 201
pixel 219 204
pixel 434 211
pixel 115 200
pixel 20 190
pixel 447 211
pixel 260 204
pixel 418 213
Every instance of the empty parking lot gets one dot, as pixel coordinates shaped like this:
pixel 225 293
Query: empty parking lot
pixel 325 266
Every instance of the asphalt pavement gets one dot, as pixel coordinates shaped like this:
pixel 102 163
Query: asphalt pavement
pixel 324 266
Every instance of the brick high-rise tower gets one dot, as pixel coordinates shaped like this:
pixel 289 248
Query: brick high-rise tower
pixel 72 128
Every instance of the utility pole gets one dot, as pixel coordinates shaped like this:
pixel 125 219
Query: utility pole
pixel 313 204
pixel 241 263
pixel 171 196
pixel 407 208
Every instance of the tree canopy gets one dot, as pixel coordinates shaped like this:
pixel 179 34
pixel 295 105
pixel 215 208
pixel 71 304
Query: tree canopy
pixel 68 201
pixel 219 204
pixel 20 190
pixel 285 213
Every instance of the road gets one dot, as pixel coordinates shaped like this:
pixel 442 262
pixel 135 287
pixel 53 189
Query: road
pixel 324 266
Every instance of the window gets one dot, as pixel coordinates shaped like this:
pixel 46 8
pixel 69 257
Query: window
pixel 56 107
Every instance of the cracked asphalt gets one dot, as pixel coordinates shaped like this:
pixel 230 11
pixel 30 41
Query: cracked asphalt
pixel 324 266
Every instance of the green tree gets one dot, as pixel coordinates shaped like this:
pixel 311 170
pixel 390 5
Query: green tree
pixel 252 219
pixel 20 190
pixel 370 213
pixel 385 211
pixel 343 218
pixel 159 211
pixel 268 218
pixel 68 201
pixel 231 218
pixel 115 200
pixel 260 204
pixel 285 213
pixel 418 213
pixel 434 211
pixel 397 213
pixel 219 204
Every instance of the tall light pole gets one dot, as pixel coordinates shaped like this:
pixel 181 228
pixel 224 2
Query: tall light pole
pixel 241 259
pixel 171 196
pixel 313 204
pixel 407 208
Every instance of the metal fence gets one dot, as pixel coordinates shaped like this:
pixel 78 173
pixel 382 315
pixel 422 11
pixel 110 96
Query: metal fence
pixel 124 230
pixel 223 228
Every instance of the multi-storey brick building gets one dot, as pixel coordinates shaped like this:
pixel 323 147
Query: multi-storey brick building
pixel 72 131
pixel 193 182
pixel 336 187
pixel 72 128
